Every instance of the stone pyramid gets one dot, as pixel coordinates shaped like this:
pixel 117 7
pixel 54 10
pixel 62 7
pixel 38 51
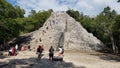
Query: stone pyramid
pixel 61 30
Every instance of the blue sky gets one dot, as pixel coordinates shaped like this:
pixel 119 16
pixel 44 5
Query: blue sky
pixel 88 7
pixel 13 2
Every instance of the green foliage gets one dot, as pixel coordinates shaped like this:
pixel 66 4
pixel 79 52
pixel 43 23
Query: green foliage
pixel 8 29
pixel 34 21
pixel 118 0
pixel 74 14
pixel 105 20
pixel 8 11
pixel 116 30
pixel 19 12
pixel 13 23
pixel 40 18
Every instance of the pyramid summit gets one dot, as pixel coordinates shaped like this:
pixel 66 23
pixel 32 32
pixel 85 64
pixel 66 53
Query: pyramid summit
pixel 61 30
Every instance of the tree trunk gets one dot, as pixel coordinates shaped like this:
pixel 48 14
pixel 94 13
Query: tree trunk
pixel 114 47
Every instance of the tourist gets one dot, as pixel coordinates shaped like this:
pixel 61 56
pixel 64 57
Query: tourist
pixel 51 53
pixel 29 47
pixel 16 47
pixel 13 51
pixel 60 52
pixel 42 48
pixel 39 52
pixel 10 52
pixel 22 48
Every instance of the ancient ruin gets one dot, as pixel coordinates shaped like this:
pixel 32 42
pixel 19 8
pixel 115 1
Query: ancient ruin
pixel 61 30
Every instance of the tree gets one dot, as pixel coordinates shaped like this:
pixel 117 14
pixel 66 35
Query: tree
pixel 116 31
pixel 8 30
pixel 7 22
pixel 107 18
pixel 50 10
pixel 118 0
pixel 74 14
pixel 39 18
pixel 20 12
pixel 13 23
pixel 32 12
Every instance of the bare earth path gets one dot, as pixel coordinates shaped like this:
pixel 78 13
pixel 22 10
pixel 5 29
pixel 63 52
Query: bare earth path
pixel 72 59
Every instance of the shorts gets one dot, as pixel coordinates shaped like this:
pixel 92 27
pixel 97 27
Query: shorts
pixel 51 55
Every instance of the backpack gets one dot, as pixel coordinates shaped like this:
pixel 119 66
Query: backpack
pixel 62 50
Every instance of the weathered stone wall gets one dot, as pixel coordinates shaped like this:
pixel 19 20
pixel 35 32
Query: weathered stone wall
pixel 62 30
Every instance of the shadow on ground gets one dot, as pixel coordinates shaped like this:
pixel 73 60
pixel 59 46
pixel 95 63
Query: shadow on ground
pixel 108 57
pixel 2 55
pixel 35 63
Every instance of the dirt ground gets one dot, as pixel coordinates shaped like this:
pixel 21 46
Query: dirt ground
pixel 93 59
pixel 71 59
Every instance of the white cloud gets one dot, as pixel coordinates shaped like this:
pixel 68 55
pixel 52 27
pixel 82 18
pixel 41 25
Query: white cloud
pixel 41 5
pixel 84 4
pixel 88 7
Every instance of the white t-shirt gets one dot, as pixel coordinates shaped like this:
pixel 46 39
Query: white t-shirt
pixel 10 50
pixel 16 47
pixel 60 50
